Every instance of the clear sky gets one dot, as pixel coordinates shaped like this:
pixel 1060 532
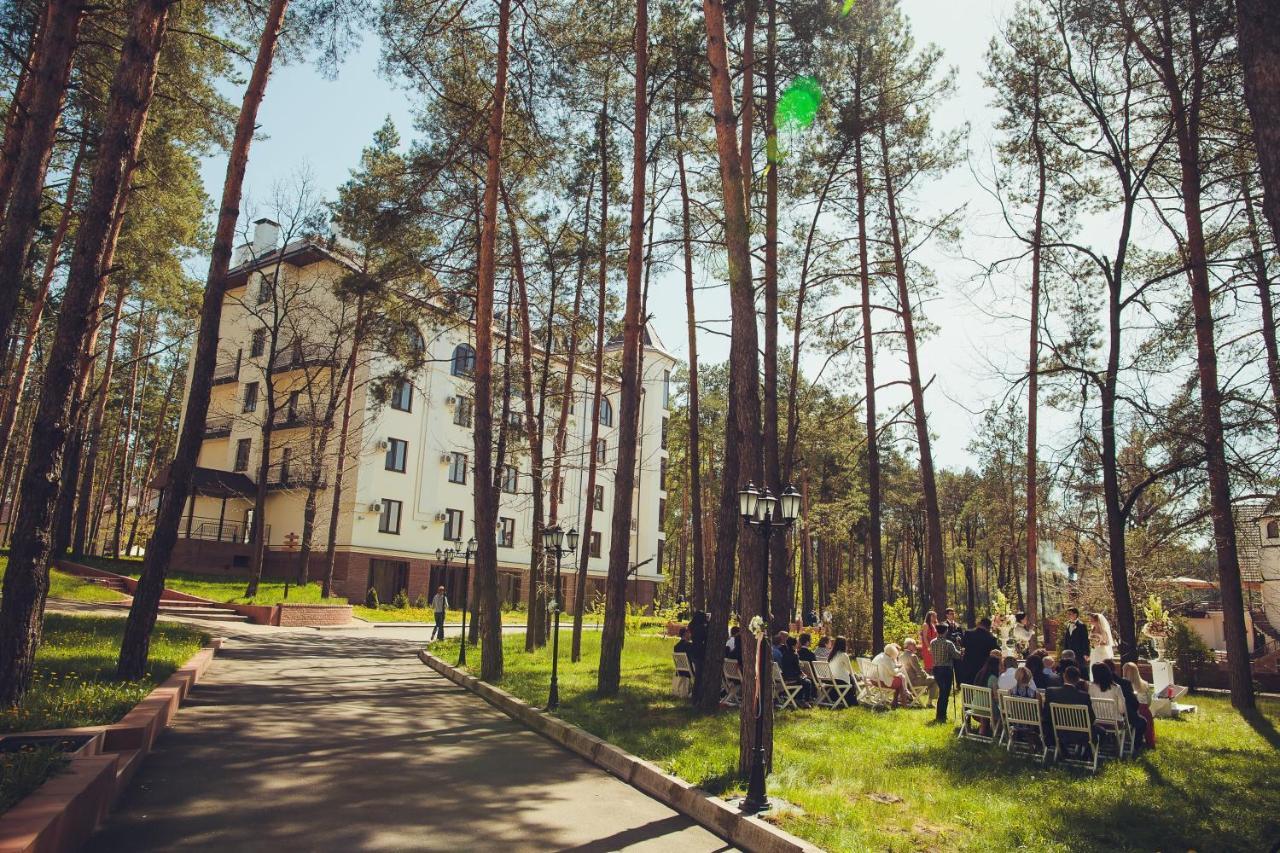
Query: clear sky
pixel 321 125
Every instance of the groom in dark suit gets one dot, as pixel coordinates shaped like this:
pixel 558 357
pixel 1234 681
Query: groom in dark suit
pixel 1077 637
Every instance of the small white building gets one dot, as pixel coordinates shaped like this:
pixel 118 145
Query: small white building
pixel 409 472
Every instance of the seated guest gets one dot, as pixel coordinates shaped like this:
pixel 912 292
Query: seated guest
pixel 1035 665
pixel 733 646
pixel 793 674
pixel 1068 694
pixel 804 652
pixel 841 666
pixel 1104 685
pixel 684 644
pixel 885 665
pixel 1051 677
pixel 913 669
pixel 823 651
pixel 1023 686
pixel 1005 681
pixel 779 643
pixel 988 676
pixel 1141 692
pixel 1067 659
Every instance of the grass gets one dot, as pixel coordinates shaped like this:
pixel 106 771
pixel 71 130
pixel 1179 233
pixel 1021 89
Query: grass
pixel 867 780
pixel 74 682
pixel 72 588
pixel 386 613
pixel 23 772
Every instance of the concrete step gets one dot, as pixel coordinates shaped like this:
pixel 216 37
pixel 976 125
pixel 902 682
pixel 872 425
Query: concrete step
pixel 216 614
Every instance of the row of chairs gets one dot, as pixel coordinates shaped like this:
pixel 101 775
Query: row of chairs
pixel 1018 728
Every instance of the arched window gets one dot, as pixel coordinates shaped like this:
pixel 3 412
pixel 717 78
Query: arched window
pixel 464 360
pixel 606 412
pixel 416 342
pixel 1273 529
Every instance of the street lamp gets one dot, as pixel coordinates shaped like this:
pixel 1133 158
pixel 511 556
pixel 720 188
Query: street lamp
pixel 466 583
pixel 765 513
pixel 442 557
pixel 553 541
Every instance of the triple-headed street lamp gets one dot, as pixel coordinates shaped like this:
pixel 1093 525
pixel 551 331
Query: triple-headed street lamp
pixel 444 556
pixel 553 540
pixel 760 510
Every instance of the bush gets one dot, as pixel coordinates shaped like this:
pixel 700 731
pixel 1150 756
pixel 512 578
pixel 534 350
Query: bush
pixel 371 598
pixel 421 603
pixel 898 623
pixel 851 616
pixel 1187 649
pixel 401 601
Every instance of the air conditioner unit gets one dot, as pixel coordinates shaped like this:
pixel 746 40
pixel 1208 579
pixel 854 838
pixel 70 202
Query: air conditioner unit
pixel 442 516
pixel 375 507
pixel 383 444
pixel 450 401
pixel 446 458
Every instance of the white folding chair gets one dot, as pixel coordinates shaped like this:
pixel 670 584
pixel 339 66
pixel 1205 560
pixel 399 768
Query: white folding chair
pixel 731 684
pixel 831 692
pixel 1022 730
pixel 975 706
pixel 1073 720
pixel 871 691
pixel 784 694
pixel 682 681
pixel 1112 721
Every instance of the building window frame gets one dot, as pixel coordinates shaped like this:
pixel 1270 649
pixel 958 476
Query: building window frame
pixel 389 518
pixel 397 455
pixel 597 543
pixel 506 532
pixel 597 499
pixel 458 468
pixel 510 479
pixel 463 412
pixel 244 447
pixel 402 397
pixel 453 519
pixel 250 402
pixel 463 362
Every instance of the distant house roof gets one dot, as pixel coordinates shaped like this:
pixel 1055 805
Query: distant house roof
pixel 212 482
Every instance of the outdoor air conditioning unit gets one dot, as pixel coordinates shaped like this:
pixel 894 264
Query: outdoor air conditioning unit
pixel 446 458
pixel 383 444
pixel 375 507
pixel 442 516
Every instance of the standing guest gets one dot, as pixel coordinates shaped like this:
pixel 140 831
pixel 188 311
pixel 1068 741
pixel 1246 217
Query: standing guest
pixel 928 631
pixel 439 605
pixel 944 654
pixel 978 644
pixel 1008 673
pixel 733 646
pixel 793 674
pixel 1142 696
pixel 841 666
pixel 1077 640
pixel 952 628
pixel 917 676
pixel 1101 644
pixel 804 652
pixel 823 651
pixel 885 665
pixel 683 646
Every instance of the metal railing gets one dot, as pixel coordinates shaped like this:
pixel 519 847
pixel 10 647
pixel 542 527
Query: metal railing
pixel 217 426
pixel 213 530
pixel 305 355
pixel 227 370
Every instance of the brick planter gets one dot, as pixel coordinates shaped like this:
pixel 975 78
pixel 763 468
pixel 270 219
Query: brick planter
pixel 60 815
pixel 312 615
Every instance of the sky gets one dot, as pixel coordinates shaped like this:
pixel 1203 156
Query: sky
pixel 321 125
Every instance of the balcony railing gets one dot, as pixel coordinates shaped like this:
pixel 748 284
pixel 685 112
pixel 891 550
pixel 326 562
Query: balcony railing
pixel 217 426
pixel 291 419
pixel 296 475
pixel 306 355
pixel 213 530
pixel 227 370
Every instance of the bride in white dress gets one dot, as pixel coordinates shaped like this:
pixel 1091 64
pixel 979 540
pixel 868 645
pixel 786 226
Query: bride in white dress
pixel 1100 641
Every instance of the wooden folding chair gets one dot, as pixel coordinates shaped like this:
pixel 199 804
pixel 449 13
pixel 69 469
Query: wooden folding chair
pixel 975 706
pixel 832 693
pixel 1022 729
pixel 870 691
pixel 1073 720
pixel 731 684
pixel 784 694
pixel 682 681
pixel 1112 721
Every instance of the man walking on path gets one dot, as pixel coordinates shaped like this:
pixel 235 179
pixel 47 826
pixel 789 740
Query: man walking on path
pixel 439 604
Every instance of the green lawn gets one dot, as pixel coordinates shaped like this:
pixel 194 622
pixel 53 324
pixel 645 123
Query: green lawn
pixel 870 780
pixel 74 682
pixel 72 588
pixel 427 615
pixel 231 589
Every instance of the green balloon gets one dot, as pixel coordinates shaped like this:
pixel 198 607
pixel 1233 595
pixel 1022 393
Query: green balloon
pixel 798 106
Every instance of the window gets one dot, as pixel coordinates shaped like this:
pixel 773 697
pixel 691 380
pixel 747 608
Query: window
pixel 416 343
pixel 294 405
pixel 286 455
pixel 462 411
pixel 602 450
pixel 452 524
pixel 561 495
pixel 595 543
pixel 666 389
pixel 606 412
pixel 662 475
pixel 251 397
pixel 265 288
pixel 658 558
pixel 402 397
pixel 397 450
pixel 662 511
pixel 1273 529
pixel 510 479
pixel 464 360
pixel 258 345
pixel 506 532
pixel 389 519
pixel 597 499
pixel 458 468
pixel 665 422
pixel 242 454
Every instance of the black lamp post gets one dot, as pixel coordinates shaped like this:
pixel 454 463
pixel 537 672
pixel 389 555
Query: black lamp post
pixel 760 510
pixel 443 557
pixel 553 540
pixel 466 583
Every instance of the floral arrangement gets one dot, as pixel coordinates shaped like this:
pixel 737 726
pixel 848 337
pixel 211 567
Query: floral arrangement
pixel 757 627
pixel 1157 624
pixel 1001 611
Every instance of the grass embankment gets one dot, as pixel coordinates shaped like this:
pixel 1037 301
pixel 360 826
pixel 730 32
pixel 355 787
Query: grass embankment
pixel 387 613
pixel 72 588
pixel 870 780
pixel 222 588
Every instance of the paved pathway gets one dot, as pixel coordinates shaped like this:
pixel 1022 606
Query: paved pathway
pixel 324 741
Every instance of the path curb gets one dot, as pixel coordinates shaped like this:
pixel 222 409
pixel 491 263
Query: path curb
pixel 749 833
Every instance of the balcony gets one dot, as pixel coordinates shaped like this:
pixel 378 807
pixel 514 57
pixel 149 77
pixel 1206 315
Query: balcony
pixel 214 530
pixel 300 356
pixel 296 475
pixel 297 418
pixel 217 426
pixel 226 370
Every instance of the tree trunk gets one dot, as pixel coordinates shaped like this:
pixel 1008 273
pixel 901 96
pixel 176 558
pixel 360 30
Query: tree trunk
pixel 1258 22
pixel 1263 283
pixel 26 582
pixel 486 506
pixel 146 598
pixel 51 71
pixel 1033 375
pixel 339 466
pixel 609 676
pixel 130 440
pixel 161 428
pixel 15 120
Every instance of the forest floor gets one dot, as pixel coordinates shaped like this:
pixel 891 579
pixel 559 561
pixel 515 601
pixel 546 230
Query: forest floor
pixel 893 781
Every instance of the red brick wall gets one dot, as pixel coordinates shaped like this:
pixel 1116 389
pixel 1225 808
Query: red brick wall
pixel 313 615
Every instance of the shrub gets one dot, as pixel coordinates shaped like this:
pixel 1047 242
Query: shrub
pixel 421 603
pixel 1187 649
pixel 371 598
pixel 898 623
pixel 851 616
pixel 401 601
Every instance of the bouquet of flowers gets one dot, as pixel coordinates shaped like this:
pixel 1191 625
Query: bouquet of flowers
pixel 1157 624
pixel 1002 618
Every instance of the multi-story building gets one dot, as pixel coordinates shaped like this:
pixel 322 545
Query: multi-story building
pixel 285 352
